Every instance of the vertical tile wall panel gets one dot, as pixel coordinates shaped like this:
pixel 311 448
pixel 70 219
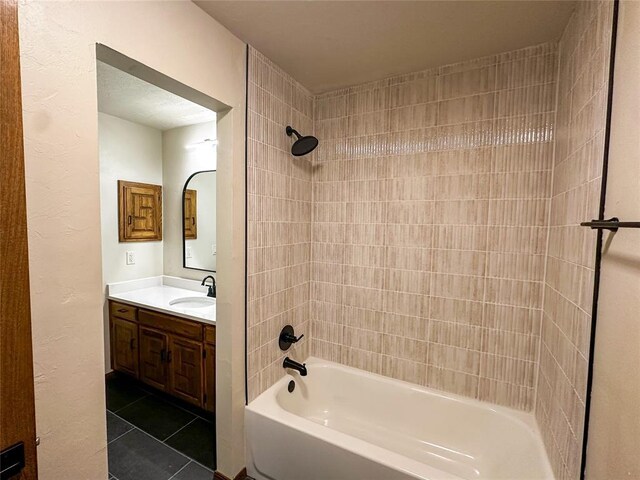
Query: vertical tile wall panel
pixel 430 209
pixel 566 322
pixel 279 220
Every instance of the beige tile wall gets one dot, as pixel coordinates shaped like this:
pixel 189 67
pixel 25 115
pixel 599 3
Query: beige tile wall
pixel 279 220
pixel 416 247
pixel 430 207
pixel 582 96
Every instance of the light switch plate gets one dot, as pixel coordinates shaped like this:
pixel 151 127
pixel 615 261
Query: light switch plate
pixel 131 257
pixel 188 252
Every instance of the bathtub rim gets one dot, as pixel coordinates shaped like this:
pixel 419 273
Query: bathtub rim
pixel 266 405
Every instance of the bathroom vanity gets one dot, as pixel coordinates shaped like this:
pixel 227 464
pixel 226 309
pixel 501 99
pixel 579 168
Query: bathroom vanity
pixel 165 336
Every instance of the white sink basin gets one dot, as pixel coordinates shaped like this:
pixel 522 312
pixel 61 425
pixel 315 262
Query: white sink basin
pixel 193 302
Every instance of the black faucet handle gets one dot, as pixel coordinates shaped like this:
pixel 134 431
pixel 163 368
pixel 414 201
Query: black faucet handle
pixel 287 338
pixel 291 338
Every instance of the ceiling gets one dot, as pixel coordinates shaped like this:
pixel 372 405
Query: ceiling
pixel 125 96
pixel 332 44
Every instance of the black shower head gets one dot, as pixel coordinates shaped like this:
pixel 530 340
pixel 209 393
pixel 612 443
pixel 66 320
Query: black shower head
pixel 302 145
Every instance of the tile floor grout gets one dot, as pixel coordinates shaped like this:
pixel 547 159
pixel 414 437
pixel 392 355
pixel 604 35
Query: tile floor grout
pixel 180 429
pixel 169 401
pixel 128 423
pixel 160 441
pixel 129 404
pixel 174 475
pixel 191 420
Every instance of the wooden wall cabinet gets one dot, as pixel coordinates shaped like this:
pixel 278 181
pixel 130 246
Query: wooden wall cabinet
pixel 171 354
pixel 190 214
pixel 139 212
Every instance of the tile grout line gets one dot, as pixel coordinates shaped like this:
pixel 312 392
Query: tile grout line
pixel 174 475
pixel 180 429
pixel 170 402
pixel 147 394
pixel 125 421
pixel 169 446
pixel 160 441
pixel 120 436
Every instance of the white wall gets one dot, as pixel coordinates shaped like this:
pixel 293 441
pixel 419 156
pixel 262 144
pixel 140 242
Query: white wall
pixel 58 62
pixel 133 152
pixel 183 155
pixel 614 425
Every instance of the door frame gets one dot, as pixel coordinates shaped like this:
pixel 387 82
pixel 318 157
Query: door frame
pixel 17 422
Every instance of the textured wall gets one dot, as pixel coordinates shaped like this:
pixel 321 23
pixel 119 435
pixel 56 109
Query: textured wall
pixel 59 88
pixel 430 206
pixel 279 220
pixel 582 96
pixel 133 152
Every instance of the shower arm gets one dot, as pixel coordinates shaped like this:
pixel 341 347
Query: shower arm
pixel 291 130
pixel 613 224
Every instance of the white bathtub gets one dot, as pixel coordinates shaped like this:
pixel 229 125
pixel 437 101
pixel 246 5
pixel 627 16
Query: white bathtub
pixel 344 423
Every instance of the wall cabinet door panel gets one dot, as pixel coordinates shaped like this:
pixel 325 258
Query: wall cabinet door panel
pixel 140 215
pixel 124 346
pixel 153 357
pixel 185 369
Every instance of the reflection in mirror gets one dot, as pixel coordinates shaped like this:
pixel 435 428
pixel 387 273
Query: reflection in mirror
pixel 199 221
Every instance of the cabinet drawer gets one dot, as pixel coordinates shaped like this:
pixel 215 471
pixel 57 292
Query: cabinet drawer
pixel 122 311
pixel 175 325
pixel 210 334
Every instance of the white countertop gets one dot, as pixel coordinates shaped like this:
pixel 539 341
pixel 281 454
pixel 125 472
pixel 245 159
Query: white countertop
pixel 155 293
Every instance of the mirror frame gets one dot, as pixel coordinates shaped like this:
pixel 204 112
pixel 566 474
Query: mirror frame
pixel 184 240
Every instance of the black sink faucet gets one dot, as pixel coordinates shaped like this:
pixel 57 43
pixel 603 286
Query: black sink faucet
pixel 212 287
pixel 300 367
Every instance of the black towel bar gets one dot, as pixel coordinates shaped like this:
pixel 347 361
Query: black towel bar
pixel 612 224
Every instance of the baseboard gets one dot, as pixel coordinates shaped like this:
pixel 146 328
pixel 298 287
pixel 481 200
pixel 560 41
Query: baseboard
pixel 240 476
pixel 110 375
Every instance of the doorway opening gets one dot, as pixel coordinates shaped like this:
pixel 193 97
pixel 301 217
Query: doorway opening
pixel 158 196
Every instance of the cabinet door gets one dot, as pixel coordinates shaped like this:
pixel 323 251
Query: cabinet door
pixel 153 357
pixel 124 346
pixel 140 211
pixel 185 369
pixel 190 214
pixel 209 378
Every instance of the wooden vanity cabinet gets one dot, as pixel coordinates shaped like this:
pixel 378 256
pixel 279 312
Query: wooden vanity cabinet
pixel 124 346
pixel 186 367
pixel 171 354
pixel 209 368
pixel 154 348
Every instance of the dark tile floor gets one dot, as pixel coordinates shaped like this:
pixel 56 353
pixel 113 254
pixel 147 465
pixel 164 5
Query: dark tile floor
pixel 155 438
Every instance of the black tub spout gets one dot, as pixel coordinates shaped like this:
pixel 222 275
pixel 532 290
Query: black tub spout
pixel 300 367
